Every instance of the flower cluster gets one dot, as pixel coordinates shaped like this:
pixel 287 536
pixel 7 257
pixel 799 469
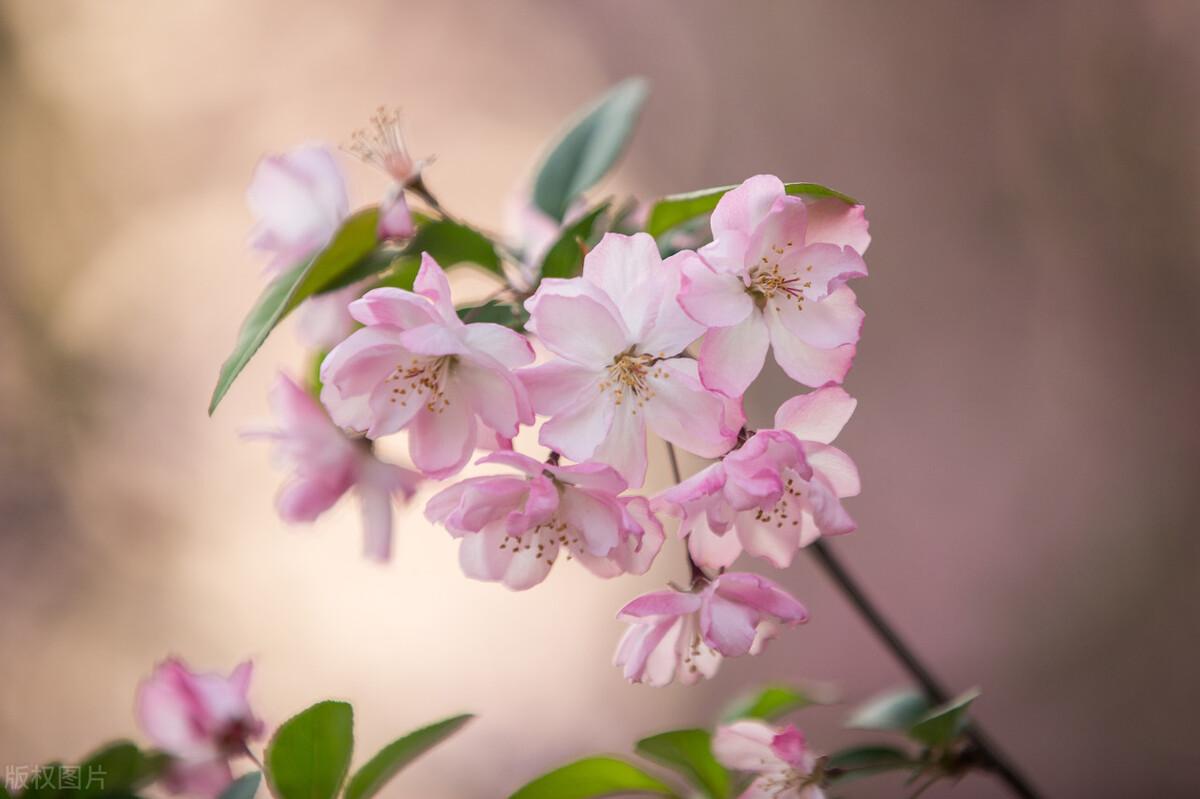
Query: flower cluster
pixel 631 343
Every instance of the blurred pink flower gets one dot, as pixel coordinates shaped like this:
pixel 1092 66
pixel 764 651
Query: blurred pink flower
pixel 778 492
pixel 382 146
pixel 327 463
pixel 618 333
pixel 299 201
pixel 786 767
pixel 774 276
pixel 416 365
pixel 680 635
pixel 201 720
pixel 513 527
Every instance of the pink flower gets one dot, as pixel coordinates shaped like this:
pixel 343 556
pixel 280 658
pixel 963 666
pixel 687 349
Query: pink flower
pixel 786 767
pixel 416 366
pixel 299 201
pixel 513 526
pixel 328 463
pixel 618 334
pixel 778 492
pixel 677 634
pixel 382 146
pixel 774 276
pixel 200 720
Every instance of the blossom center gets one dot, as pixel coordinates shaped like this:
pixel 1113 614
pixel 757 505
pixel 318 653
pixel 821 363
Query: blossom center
pixel 544 540
pixel 629 373
pixel 382 146
pixel 422 380
pixel 769 283
pixel 786 510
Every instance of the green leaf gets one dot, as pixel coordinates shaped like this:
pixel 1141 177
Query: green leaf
pixel 772 702
pixel 690 753
pixel 244 787
pixel 944 723
pixel 117 768
pixel 378 261
pixel 592 777
pixel 497 313
pixel 589 148
pixel 453 243
pixel 679 208
pixel 895 710
pixel 399 753
pixel 309 755
pixel 354 241
pixel 867 761
pixel 565 257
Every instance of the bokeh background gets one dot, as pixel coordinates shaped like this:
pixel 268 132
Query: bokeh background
pixel 1028 379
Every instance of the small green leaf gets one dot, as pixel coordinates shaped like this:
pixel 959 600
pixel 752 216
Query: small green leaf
pixel 497 313
pixel 679 208
pixel 453 243
pixel 589 148
pixel 592 777
pixel 867 761
pixel 309 755
pixel 944 723
pixel 772 702
pixel 690 753
pixel 895 710
pixel 565 257
pixel 355 240
pixel 395 756
pixel 244 787
pixel 119 767
pixel 378 261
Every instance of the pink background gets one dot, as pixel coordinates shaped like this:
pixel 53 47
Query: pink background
pixel 1028 378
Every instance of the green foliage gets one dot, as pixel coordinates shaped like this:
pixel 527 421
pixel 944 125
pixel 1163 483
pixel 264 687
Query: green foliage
pixel 125 768
pixel 495 312
pixel 565 257
pixel 690 753
pixel 244 787
pixel 452 243
pixel 772 702
pixel 895 710
pixel 309 755
pixel 593 777
pixel 944 723
pixel 867 761
pixel 354 241
pixel 589 148
pixel 676 209
pixel 395 756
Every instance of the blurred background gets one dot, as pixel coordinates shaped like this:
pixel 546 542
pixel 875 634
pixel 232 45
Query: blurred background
pixel 1028 378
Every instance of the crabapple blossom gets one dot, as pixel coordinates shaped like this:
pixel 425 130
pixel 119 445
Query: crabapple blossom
pixel 417 366
pixel 683 635
pixel 786 767
pixel 618 334
pixel 776 493
pixel 513 527
pixel 382 146
pixel 774 277
pixel 327 464
pixel 200 720
pixel 299 201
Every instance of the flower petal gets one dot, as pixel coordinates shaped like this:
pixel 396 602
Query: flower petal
pixel 624 445
pixel 660 603
pixel 627 269
pixel 671 330
pixel 832 221
pixel 682 411
pixel 579 329
pixel 557 385
pixel 393 307
pixel 714 299
pixel 441 442
pixel 804 363
pixel 577 431
pixel 432 284
pixel 738 213
pixel 818 415
pixel 506 346
pixel 732 357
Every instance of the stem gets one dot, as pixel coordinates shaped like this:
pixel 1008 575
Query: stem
pixel 694 571
pixel 250 754
pixel 991 757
